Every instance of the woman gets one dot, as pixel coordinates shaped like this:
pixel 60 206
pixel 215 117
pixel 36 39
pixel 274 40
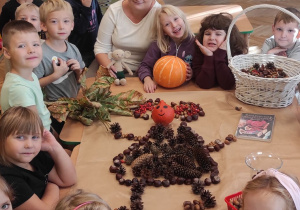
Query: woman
pixel 126 25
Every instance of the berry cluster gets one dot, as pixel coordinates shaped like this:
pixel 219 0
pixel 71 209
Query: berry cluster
pixel 186 111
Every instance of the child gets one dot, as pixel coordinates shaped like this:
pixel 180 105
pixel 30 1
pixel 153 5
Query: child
pixel 62 64
pixel 272 190
pixel 284 41
pixel 8 10
pixel 87 16
pixel 31 160
pixel 30 13
pixel 21 46
pixel 6 195
pixel 210 63
pixel 172 37
pixel 82 200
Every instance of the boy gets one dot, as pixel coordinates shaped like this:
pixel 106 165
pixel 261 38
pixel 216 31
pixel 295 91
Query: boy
pixel 285 31
pixel 62 64
pixel 21 46
pixel 9 8
pixel 30 13
pixel 87 16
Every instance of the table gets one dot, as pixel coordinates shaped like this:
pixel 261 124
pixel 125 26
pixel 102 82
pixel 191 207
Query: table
pixel 195 14
pixel 98 147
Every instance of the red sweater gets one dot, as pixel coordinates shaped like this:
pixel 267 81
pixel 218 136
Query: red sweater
pixel 210 71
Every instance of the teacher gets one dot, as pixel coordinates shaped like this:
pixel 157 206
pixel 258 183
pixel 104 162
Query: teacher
pixel 126 25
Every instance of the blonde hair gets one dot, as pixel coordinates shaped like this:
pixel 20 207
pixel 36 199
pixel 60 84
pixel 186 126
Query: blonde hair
pixel 272 185
pixel 13 27
pixel 163 41
pixel 6 189
pixel 282 16
pixel 17 120
pixel 93 201
pixel 25 6
pixel 52 6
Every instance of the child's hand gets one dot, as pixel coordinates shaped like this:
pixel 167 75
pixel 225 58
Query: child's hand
pixel 189 72
pixel 149 85
pixel 61 69
pixel 86 3
pixel 203 49
pixel 49 142
pixel 277 51
pixel 282 53
pixel 73 65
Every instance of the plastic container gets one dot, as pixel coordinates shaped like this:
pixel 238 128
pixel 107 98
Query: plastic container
pixel 230 198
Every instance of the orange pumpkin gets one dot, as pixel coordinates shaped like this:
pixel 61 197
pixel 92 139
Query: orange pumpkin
pixel 163 113
pixel 169 71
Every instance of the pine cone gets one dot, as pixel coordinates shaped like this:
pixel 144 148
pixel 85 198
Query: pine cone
pixel 115 127
pixel 128 159
pixel 135 197
pixel 137 205
pixel 185 161
pixel 202 159
pixel 122 208
pixel 185 172
pixel 197 188
pixel 210 202
pixel 122 170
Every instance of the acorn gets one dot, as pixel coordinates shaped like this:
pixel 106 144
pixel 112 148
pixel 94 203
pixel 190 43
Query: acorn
pixel 113 169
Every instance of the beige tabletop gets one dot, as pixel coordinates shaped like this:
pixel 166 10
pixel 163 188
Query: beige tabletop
pixel 98 147
pixel 196 13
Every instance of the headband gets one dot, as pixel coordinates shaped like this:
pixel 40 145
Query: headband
pixel 289 184
pixel 83 204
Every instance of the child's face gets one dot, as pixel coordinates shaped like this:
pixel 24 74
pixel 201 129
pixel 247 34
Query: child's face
pixel 173 26
pixel 285 35
pixel 24 51
pixel 4 201
pixel 263 200
pixel 212 39
pixel 20 149
pixel 31 16
pixel 59 25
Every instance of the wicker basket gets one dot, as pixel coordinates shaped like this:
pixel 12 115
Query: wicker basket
pixel 265 92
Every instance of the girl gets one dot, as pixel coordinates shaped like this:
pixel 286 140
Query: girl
pixel 82 200
pixel 31 160
pixel 172 36
pixel 6 195
pixel 210 63
pixel 272 190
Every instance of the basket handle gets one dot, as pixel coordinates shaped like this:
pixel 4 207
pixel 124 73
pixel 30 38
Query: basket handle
pixel 260 6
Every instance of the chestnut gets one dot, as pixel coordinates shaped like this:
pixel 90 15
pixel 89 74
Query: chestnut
pixel 166 183
pixel 113 169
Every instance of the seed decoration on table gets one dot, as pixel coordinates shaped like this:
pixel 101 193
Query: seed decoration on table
pixel 162 158
pixel 185 111
pixel 266 71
